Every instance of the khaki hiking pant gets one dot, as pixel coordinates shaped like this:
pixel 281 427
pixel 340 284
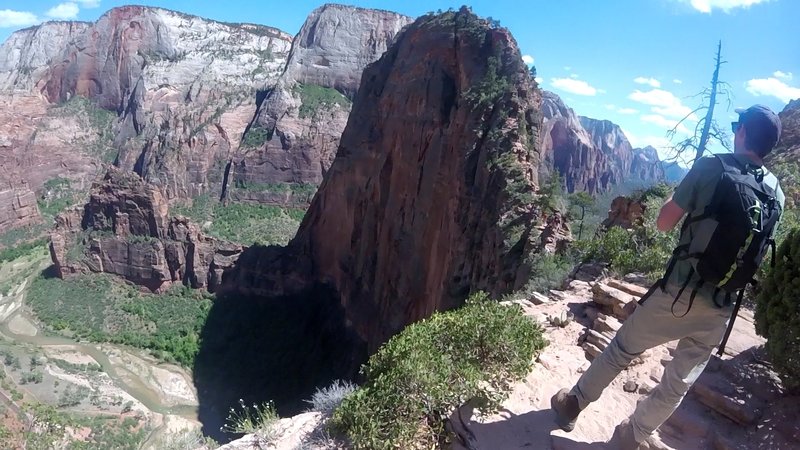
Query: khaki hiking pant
pixel 653 324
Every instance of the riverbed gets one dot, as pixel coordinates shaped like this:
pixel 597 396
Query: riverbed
pixel 116 379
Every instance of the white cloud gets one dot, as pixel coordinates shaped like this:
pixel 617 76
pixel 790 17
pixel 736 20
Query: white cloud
pixel 539 80
pixel 783 75
pixel 649 81
pixel 706 6
pixel 88 4
pixel 527 59
pixel 663 122
pixel 615 108
pixel 11 18
pixel 567 68
pixel 63 11
pixel 772 87
pixel 573 75
pixel 677 81
pixel 663 145
pixel 664 103
pixel 578 87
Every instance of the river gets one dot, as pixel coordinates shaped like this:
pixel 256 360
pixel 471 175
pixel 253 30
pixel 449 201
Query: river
pixel 165 390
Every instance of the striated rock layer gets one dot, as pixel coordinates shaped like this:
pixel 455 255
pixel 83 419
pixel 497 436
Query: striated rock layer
pixel 17 207
pixel 179 90
pixel 592 155
pixel 26 55
pixel 429 196
pixel 125 230
pixel 293 138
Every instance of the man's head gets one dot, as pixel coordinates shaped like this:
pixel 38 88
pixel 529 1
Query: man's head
pixel 757 130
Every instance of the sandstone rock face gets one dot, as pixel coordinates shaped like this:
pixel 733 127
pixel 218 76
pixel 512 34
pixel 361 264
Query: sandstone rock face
pixel 169 96
pixel 567 146
pixel 646 165
pixel 790 134
pixel 435 174
pixel 125 229
pixel 625 212
pixel 592 155
pixel 186 91
pixel 26 55
pixel 294 136
pixel 782 161
pixel 17 207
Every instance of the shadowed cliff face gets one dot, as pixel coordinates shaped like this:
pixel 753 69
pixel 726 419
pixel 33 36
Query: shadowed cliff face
pixel 429 199
pixel 429 196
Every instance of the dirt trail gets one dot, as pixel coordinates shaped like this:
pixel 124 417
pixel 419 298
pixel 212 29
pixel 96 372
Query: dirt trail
pixel 737 403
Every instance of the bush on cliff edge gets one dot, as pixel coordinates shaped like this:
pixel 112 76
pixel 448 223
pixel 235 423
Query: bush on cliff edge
pixel 777 314
pixel 418 378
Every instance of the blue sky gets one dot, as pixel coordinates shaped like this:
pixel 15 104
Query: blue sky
pixel 635 62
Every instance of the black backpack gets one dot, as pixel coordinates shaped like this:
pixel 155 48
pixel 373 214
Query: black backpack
pixel 731 236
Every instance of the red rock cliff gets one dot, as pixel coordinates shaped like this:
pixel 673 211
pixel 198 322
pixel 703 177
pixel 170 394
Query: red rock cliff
pixel 429 196
pixel 124 229
pixel 592 155
pixel 295 133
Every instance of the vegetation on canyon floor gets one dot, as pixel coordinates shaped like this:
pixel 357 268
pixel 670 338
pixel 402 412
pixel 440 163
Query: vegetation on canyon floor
pixel 99 308
pixel 43 427
pixel 316 98
pixel 244 223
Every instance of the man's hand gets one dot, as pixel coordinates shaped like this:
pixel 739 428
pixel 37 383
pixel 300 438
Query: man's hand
pixel 669 216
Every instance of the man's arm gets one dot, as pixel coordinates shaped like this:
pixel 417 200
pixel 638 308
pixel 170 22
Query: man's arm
pixel 669 216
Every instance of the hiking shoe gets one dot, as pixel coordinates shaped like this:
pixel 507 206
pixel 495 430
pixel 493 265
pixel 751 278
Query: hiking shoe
pixel 623 439
pixel 566 407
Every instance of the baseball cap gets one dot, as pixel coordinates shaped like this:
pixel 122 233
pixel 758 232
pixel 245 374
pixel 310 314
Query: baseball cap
pixel 762 124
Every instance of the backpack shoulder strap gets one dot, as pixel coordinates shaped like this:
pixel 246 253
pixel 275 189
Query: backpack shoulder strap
pixel 729 162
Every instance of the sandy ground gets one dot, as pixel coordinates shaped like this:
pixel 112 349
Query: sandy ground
pixel 171 383
pixel 22 326
pixel 69 354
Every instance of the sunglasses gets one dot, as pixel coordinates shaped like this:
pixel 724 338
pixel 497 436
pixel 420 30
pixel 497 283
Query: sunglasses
pixel 735 127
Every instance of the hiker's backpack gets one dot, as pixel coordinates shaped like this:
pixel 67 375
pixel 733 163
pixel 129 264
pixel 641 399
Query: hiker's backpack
pixel 731 235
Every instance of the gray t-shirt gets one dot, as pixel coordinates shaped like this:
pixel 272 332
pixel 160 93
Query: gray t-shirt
pixel 693 194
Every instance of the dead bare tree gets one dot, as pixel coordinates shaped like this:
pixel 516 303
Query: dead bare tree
pixel 706 128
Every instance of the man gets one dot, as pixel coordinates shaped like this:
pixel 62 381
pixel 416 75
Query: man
pixel 660 318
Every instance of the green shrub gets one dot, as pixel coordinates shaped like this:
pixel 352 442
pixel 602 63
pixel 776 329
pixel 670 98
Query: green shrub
pixel 247 223
pixel 34 377
pixel 327 399
pixel 640 249
pixel 552 198
pixel 777 315
pixel 420 376
pixel 24 249
pixel 490 88
pixel 314 98
pixel 548 271
pixel 256 136
pixel 255 224
pixel 56 196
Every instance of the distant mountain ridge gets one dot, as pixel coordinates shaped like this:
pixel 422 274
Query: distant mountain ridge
pixel 592 155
